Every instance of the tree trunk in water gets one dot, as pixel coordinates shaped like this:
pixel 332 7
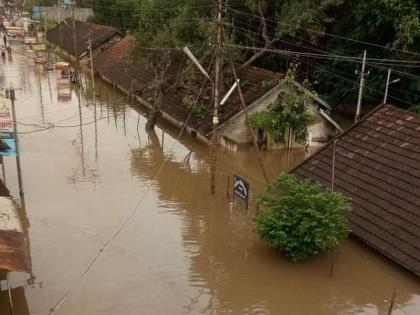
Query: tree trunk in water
pixel 155 111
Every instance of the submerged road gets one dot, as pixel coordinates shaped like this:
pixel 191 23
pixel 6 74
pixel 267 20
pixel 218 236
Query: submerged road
pixel 173 250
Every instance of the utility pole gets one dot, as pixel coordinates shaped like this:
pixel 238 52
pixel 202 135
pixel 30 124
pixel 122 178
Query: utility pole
pixel 15 135
pixel 388 83
pixel 92 73
pixel 362 83
pixel 76 53
pixel 58 12
pixel 216 99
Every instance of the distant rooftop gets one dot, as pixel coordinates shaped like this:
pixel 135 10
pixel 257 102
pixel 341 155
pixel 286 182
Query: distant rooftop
pixel 117 65
pixel 378 168
pixel 62 35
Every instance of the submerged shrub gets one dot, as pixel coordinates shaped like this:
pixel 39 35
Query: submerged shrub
pixel 301 218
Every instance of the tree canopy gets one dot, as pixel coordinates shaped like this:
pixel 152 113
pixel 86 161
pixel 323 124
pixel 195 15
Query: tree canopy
pixel 300 218
pixel 389 30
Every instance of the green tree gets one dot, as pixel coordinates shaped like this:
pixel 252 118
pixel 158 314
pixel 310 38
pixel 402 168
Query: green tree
pixel 121 14
pixel 300 218
pixel 160 34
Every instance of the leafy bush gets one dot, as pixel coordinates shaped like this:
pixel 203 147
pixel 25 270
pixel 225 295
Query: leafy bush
pixel 301 218
pixel 289 112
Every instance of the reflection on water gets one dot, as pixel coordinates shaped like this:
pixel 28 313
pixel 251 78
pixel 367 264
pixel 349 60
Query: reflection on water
pixel 184 251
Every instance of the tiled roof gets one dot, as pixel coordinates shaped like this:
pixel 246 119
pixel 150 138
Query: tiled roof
pixel 116 64
pixel 62 35
pixel 14 252
pixel 378 168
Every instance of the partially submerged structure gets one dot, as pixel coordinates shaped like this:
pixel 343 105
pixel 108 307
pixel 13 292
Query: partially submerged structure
pixel 102 36
pixel 376 163
pixel 260 87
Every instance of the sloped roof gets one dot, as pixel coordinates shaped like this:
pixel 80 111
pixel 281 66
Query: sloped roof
pixel 62 35
pixel 116 64
pixel 378 168
pixel 14 252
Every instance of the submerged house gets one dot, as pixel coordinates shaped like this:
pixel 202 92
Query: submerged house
pixel 260 88
pixel 102 37
pixel 377 166
pixel 235 132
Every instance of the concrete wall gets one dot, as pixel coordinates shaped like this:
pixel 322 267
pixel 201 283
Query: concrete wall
pixel 235 132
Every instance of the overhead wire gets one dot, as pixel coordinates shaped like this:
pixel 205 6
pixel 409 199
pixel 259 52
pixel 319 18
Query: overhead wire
pixel 96 258
pixel 328 34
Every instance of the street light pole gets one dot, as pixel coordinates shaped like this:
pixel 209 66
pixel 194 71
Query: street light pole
pixel 15 135
pixel 362 82
pixel 388 83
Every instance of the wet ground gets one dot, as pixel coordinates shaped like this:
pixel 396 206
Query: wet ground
pixel 175 250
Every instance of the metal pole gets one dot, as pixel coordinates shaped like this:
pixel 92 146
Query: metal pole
pixel 362 83
pixel 92 73
pixel 3 170
pixel 333 166
pixel 76 53
pixel 15 134
pixel 391 304
pixel 217 80
pixel 9 290
pixel 387 85
pixel 58 12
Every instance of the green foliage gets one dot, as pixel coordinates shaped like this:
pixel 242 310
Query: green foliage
pixel 415 109
pixel 301 219
pixel 390 23
pixel 118 13
pixel 197 109
pixel 48 24
pixel 298 25
pixel 288 112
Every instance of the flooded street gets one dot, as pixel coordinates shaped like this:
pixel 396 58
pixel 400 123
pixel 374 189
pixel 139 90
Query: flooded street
pixel 169 247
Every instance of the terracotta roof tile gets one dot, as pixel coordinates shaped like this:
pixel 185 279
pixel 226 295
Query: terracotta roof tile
pixel 62 35
pixel 116 64
pixel 378 168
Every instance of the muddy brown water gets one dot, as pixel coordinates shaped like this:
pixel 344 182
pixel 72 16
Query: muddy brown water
pixel 183 251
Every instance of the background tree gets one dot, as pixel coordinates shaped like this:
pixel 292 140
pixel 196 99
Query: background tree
pixel 301 219
pixel 161 34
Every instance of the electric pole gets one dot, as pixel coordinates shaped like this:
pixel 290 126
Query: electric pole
pixel 216 98
pixel 76 53
pixel 15 135
pixel 92 72
pixel 362 83
pixel 58 12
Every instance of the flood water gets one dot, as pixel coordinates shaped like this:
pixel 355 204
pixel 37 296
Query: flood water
pixel 175 250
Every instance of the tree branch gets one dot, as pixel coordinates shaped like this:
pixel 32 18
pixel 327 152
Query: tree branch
pixel 266 37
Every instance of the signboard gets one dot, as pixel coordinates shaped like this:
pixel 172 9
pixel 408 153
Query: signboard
pixel 241 188
pixel 30 40
pixel 6 124
pixel 36 12
pixel 8 145
pixel 38 47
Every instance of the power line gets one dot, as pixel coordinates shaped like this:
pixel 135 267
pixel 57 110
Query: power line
pixel 320 56
pixel 96 258
pixel 330 35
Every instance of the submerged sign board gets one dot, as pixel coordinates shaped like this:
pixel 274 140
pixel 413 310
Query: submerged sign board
pixel 240 188
pixel 6 124
pixel 7 145
pixel 39 47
